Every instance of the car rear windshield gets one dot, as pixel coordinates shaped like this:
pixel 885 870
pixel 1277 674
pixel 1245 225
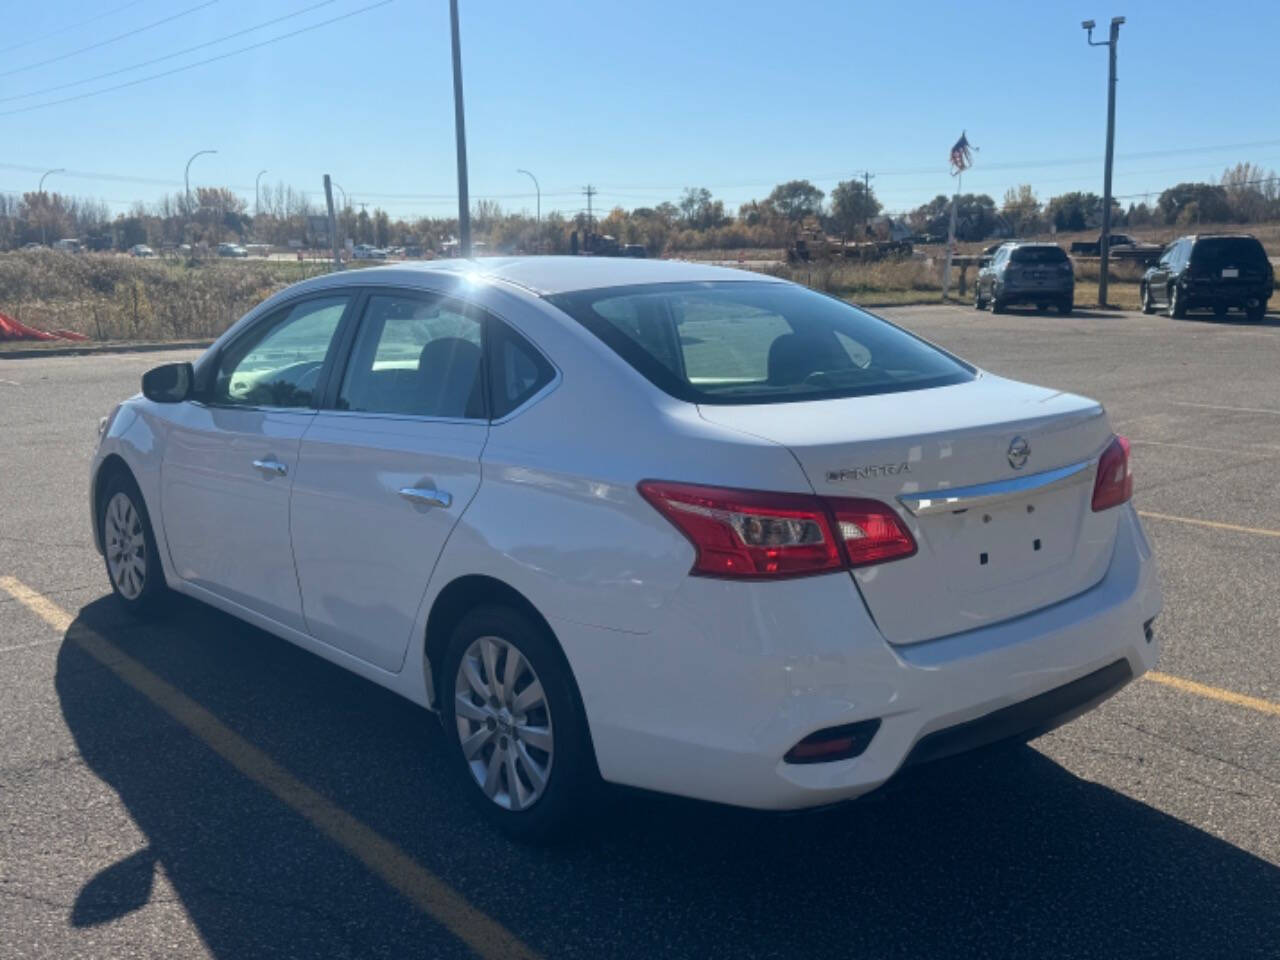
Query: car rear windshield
pixel 1038 255
pixel 1214 252
pixel 735 342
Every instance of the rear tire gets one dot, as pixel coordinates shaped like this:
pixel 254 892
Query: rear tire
pixel 1256 314
pixel 520 741
pixel 129 547
pixel 1065 307
pixel 997 305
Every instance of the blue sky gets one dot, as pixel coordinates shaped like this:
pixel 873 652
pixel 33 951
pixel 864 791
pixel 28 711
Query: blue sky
pixel 639 98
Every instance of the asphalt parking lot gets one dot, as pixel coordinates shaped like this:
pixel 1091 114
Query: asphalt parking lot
pixel 195 787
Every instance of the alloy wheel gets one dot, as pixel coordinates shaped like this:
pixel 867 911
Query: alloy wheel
pixel 126 546
pixel 504 723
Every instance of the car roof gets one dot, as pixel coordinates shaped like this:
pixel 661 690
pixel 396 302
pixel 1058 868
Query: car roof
pixel 549 275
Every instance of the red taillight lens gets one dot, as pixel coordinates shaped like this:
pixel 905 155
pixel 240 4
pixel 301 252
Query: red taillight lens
pixel 750 533
pixel 1114 485
pixel 871 532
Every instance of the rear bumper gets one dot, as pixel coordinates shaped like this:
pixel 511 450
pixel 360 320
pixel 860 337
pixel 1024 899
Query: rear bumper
pixel 1035 293
pixel 1208 294
pixel 708 704
pixel 1025 719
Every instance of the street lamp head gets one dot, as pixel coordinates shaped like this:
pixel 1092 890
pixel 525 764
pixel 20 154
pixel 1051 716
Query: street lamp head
pixel 1088 24
pixel 1116 21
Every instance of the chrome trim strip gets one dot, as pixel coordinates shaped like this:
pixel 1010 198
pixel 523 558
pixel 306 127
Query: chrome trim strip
pixel 986 494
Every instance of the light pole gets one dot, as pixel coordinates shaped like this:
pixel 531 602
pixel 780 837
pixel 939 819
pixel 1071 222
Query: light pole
pixel 44 214
pixel 186 175
pixel 1104 242
pixel 257 193
pixel 537 223
pixel 460 131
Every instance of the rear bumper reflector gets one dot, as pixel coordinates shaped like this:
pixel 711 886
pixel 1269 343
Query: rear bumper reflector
pixel 834 743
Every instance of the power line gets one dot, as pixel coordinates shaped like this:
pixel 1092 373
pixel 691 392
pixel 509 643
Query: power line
pixel 111 40
pixel 168 56
pixel 198 63
pixel 70 26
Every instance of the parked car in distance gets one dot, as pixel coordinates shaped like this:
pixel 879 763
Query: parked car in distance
pixel 417 472
pixel 636 250
pixel 1026 273
pixel 141 250
pixel 1210 271
pixel 68 245
pixel 366 251
pixel 232 250
pixel 1093 248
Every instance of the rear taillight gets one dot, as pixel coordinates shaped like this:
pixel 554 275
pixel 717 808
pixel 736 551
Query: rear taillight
pixel 751 533
pixel 1114 485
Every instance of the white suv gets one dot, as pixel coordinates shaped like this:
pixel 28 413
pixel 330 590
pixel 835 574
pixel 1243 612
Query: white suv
pixel 652 522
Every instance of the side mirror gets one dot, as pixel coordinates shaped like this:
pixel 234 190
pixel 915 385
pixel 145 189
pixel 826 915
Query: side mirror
pixel 170 383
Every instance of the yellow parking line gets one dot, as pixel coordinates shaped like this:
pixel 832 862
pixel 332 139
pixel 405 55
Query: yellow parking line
pixel 1213 524
pixel 484 935
pixel 1215 693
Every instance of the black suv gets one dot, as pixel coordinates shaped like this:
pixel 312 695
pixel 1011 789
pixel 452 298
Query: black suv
pixel 1215 271
pixel 1039 273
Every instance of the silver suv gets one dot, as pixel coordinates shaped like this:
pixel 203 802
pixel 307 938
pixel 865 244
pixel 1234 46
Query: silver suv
pixel 1032 273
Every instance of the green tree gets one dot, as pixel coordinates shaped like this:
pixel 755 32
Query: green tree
pixel 853 204
pixel 699 210
pixel 796 199
pixel 1194 203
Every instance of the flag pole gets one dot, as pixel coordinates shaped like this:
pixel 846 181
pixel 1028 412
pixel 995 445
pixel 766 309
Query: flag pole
pixel 951 237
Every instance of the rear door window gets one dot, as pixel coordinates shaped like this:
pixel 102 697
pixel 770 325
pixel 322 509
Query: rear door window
pixel 415 356
pixel 517 371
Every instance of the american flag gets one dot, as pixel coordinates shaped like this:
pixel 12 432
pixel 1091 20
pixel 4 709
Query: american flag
pixel 961 155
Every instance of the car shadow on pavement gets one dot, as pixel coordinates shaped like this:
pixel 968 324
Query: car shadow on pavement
pixel 1002 854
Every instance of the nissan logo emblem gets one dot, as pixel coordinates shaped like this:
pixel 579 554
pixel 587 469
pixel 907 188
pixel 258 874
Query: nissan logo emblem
pixel 1019 452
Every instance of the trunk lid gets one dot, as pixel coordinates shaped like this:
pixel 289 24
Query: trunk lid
pixel 1001 540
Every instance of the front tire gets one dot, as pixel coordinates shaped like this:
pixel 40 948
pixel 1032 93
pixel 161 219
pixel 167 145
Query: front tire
pixel 1148 304
pixel 1066 306
pixel 1256 313
pixel 129 547
pixel 997 305
pixel 515 724
pixel 1177 302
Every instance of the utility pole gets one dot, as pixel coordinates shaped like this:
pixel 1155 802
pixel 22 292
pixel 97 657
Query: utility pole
pixel 333 225
pixel 460 127
pixel 1104 243
pixel 44 212
pixel 866 201
pixel 590 191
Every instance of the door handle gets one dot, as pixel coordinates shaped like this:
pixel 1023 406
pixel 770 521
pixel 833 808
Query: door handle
pixel 427 498
pixel 273 467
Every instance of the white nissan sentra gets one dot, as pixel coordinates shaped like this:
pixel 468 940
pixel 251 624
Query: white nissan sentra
pixel 671 526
